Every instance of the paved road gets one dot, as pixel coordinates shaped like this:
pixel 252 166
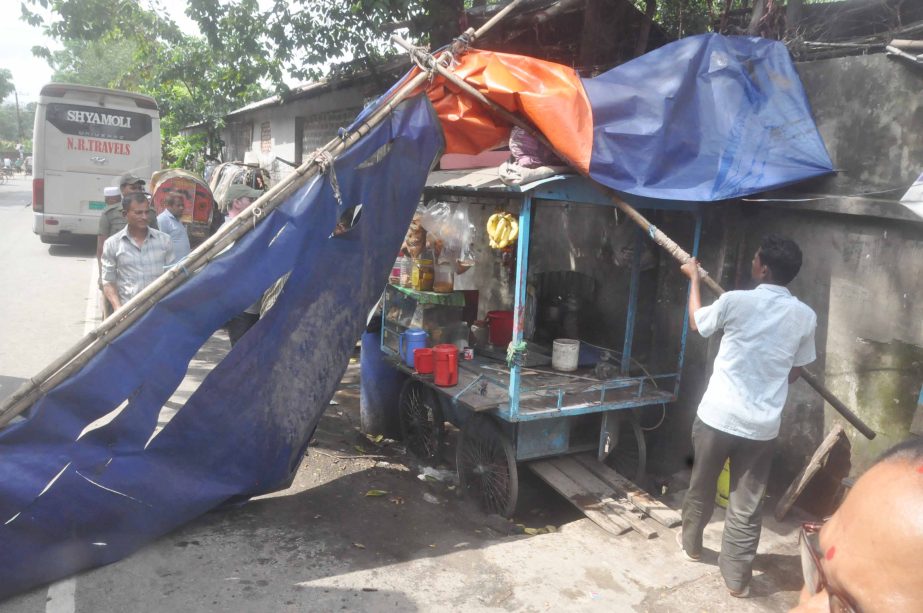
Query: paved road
pixel 45 288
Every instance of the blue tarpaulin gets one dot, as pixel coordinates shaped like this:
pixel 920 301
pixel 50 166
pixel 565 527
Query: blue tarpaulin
pixel 69 502
pixel 704 118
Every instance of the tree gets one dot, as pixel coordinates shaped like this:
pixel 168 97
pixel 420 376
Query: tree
pixel 194 82
pixel 6 83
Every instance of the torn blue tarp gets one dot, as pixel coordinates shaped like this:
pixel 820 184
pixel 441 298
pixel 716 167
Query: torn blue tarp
pixel 70 501
pixel 705 118
pixel 702 119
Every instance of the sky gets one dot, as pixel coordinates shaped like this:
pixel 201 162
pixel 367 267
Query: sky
pixel 29 72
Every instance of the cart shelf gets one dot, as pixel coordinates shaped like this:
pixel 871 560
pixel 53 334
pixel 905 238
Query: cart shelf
pixel 483 385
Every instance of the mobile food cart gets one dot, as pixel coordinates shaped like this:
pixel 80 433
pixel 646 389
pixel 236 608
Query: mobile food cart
pixel 509 403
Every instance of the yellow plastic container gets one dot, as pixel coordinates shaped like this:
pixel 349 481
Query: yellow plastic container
pixel 724 485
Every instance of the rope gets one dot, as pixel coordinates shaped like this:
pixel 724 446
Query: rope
pixel 423 59
pixel 324 161
pixel 461 43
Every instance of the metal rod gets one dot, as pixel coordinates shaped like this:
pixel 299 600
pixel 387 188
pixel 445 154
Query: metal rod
pixel 696 239
pixel 633 290
pixel 520 297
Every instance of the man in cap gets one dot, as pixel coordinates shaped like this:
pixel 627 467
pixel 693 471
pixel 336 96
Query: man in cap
pixel 238 198
pixel 129 183
pixel 169 222
pixel 134 256
pixel 110 222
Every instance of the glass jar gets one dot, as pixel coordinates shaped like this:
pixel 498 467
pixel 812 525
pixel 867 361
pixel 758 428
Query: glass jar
pixel 444 279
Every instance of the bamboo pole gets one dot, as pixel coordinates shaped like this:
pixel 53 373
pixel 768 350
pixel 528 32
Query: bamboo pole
pixel 657 235
pixel 91 344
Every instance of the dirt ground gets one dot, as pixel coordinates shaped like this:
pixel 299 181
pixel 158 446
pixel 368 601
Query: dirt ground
pixel 326 544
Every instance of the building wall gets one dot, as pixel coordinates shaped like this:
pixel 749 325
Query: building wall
pixel 295 128
pixel 863 254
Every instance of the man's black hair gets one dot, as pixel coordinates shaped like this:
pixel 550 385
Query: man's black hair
pixel 910 450
pixel 783 257
pixel 132 197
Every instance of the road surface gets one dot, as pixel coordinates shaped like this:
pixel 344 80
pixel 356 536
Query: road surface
pixel 47 299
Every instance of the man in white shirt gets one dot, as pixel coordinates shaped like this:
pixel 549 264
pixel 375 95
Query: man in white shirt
pixel 169 221
pixel 768 337
pixel 134 256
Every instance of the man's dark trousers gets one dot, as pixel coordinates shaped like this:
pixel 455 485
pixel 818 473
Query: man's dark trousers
pixel 750 464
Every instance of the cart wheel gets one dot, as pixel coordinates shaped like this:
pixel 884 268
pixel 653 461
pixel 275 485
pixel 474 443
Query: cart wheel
pixel 422 422
pixel 487 466
pixel 629 451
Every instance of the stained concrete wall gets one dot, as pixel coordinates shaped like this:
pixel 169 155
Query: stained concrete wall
pixel 863 259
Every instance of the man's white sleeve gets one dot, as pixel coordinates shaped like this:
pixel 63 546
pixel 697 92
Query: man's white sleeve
pixel 711 318
pixel 806 353
pixel 109 261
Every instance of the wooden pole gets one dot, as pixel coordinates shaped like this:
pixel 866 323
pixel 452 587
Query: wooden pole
pixel 658 236
pixel 83 351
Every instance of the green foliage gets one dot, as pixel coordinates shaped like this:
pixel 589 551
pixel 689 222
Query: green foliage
pixel 187 152
pixel 118 43
pixel 6 83
pixel 304 37
pixel 9 124
pixel 93 62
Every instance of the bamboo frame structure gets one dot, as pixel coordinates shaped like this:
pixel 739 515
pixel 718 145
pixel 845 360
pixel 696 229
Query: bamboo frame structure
pixel 75 358
pixel 656 235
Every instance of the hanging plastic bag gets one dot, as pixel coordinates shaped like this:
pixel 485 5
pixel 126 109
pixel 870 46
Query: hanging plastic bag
pixel 449 225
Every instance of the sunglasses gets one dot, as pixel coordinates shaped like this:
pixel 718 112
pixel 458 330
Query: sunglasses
pixel 814 578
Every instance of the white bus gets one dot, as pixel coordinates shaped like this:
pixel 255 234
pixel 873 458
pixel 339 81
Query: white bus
pixel 84 138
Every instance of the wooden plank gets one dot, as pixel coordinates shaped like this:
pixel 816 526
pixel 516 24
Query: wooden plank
pixel 807 473
pixel 580 475
pixel 588 505
pixel 636 496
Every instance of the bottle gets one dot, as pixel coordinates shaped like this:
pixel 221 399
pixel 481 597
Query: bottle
pixel 395 277
pixel 423 272
pixel 406 271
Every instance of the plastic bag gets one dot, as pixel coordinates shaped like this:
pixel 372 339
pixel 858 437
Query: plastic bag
pixel 449 225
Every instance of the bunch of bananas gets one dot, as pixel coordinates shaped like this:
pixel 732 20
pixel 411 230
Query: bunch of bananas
pixel 502 228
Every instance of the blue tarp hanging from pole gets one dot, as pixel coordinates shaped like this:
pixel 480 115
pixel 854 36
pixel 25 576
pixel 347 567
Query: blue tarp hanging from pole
pixel 69 503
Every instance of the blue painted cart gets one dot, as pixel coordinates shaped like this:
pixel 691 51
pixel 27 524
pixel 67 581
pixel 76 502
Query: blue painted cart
pixel 510 413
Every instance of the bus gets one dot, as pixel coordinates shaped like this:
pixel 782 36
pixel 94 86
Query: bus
pixel 86 137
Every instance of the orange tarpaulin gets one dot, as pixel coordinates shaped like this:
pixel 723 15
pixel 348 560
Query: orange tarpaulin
pixel 549 95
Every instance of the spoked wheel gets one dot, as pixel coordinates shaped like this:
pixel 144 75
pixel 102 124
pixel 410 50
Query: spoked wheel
pixel 629 451
pixel 422 422
pixel 487 466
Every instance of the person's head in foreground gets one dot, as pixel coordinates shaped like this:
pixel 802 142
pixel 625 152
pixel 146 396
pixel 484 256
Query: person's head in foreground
pixel 134 208
pixel 868 557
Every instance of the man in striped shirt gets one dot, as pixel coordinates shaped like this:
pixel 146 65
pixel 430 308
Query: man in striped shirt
pixel 135 255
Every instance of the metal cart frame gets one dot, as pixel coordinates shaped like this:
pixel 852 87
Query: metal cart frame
pixel 512 422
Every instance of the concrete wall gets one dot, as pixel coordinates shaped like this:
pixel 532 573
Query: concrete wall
pixel 863 258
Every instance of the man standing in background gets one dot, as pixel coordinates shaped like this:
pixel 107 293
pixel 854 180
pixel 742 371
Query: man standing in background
pixel 169 222
pixel 110 222
pixel 134 256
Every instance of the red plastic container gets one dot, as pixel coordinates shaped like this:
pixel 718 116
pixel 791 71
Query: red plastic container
pixel 446 358
pixel 500 325
pixel 423 361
